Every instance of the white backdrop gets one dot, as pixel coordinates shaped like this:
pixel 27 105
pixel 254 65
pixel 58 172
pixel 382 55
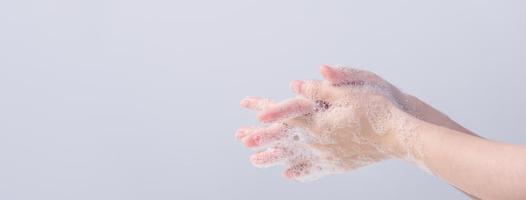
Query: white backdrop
pixel 114 99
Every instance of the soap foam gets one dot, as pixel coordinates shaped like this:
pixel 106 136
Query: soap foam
pixel 297 151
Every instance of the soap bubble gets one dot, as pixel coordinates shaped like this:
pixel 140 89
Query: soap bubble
pixel 358 125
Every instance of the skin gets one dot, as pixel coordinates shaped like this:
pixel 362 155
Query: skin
pixel 355 118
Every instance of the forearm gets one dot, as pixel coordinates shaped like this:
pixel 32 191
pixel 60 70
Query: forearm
pixel 426 112
pixel 486 169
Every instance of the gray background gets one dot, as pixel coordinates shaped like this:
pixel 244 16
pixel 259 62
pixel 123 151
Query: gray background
pixel 126 99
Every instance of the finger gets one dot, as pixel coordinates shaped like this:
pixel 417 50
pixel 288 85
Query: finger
pixel 332 75
pixel 312 89
pixel 287 109
pixel 270 157
pixel 303 122
pixel 297 171
pixel 266 136
pixel 243 132
pixel 347 76
pixel 256 103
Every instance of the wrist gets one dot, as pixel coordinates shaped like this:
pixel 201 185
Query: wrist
pixel 405 136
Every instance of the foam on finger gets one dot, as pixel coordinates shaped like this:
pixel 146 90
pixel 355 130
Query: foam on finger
pixel 362 123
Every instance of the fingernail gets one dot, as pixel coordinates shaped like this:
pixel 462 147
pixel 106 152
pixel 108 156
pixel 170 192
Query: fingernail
pixel 240 133
pixel 252 141
pixel 244 102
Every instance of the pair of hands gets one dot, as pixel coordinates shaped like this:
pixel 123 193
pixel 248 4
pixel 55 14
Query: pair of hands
pixel 350 119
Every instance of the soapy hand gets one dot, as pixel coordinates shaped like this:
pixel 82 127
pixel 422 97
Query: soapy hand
pixel 353 118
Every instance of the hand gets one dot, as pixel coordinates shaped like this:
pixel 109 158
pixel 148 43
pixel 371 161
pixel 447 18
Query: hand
pixel 354 119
